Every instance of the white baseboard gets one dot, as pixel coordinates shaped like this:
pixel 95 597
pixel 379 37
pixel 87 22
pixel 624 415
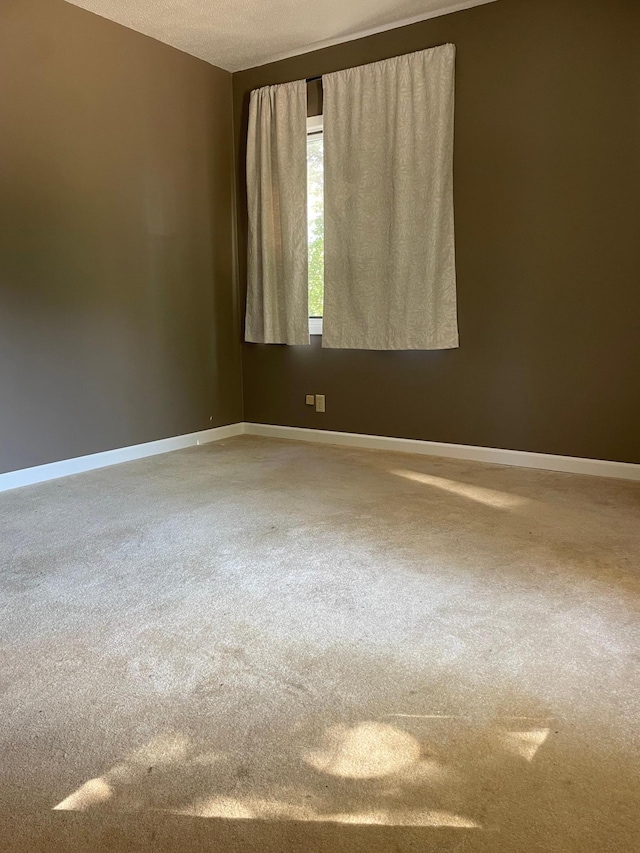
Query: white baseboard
pixel 522 459
pixel 519 458
pixel 53 470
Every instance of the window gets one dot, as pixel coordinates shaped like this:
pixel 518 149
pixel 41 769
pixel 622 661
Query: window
pixel 315 222
pixel 388 276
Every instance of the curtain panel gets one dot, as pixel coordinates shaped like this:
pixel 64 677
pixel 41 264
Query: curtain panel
pixel 390 280
pixel 277 275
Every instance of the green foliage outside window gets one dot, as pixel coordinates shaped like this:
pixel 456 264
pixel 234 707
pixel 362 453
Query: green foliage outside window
pixel 315 218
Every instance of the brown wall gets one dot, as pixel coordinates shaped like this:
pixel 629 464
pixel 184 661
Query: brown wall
pixel 547 199
pixel 118 322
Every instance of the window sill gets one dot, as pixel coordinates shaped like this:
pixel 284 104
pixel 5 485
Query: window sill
pixel 315 325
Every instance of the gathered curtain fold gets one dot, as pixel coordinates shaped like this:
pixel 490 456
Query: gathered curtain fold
pixel 277 274
pixel 389 265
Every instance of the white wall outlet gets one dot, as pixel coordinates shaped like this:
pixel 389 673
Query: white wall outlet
pixel 309 400
pixel 320 403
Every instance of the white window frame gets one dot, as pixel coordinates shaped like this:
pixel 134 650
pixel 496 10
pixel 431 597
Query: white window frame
pixel 315 125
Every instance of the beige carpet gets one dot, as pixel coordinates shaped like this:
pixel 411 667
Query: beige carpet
pixel 267 646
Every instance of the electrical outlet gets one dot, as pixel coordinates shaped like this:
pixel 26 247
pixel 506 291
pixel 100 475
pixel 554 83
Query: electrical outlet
pixel 320 403
pixel 309 400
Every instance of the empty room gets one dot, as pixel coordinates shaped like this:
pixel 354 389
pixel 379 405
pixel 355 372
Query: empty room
pixel 319 426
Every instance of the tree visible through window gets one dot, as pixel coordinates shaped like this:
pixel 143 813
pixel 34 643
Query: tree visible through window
pixel 315 219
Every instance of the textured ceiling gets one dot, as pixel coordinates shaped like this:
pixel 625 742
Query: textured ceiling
pixel 237 34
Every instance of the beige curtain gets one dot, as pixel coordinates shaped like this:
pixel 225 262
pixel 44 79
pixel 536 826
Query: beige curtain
pixel 277 289
pixel 390 280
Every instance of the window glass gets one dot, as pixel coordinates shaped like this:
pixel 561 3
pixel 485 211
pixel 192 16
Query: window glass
pixel 315 221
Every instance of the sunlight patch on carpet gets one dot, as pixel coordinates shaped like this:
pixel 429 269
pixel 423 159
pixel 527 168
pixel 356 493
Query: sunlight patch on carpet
pixel 480 494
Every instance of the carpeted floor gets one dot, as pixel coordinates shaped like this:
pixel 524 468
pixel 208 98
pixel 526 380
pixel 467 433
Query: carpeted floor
pixel 266 646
